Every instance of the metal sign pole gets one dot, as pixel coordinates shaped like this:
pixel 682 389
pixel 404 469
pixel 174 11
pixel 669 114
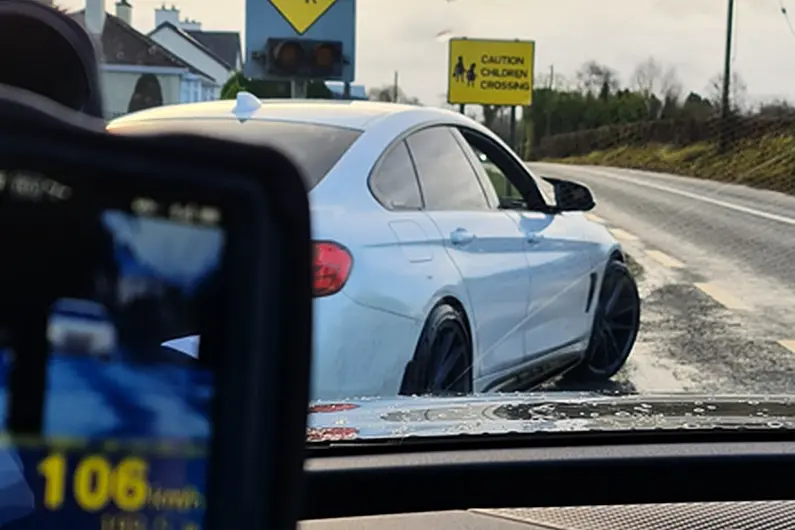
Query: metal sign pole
pixel 512 143
pixel 298 88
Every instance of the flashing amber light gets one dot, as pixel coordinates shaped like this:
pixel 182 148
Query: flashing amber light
pixel 288 55
pixel 324 57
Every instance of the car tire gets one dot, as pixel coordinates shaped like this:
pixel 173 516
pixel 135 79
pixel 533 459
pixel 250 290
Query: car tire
pixel 615 327
pixel 442 362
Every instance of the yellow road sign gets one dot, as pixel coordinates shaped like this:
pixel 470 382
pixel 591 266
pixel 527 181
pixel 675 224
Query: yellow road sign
pixel 490 72
pixel 301 14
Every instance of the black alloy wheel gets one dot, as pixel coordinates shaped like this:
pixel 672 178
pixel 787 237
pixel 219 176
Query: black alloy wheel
pixel 442 363
pixel 615 328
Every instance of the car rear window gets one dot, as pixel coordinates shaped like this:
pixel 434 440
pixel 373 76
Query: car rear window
pixel 314 148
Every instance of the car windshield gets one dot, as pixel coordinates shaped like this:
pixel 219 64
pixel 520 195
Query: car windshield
pixel 526 216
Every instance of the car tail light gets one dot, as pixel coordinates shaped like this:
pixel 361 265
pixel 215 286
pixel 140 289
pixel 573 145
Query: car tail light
pixel 331 434
pixel 332 407
pixel 330 269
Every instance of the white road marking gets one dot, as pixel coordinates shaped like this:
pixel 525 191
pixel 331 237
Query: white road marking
pixel 702 198
pixel 595 218
pixel 722 297
pixel 665 260
pixel 789 344
pixel 623 235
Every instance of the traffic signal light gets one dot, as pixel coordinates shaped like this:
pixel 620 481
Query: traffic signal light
pixel 303 58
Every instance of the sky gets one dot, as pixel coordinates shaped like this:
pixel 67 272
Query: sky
pixel 689 35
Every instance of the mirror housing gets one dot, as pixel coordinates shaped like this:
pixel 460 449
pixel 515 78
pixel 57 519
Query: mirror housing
pixel 571 196
pixel 59 60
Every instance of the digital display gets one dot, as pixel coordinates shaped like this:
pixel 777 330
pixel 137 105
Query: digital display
pixel 126 418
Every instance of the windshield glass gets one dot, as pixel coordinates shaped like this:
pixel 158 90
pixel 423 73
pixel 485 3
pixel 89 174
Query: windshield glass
pixel 579 215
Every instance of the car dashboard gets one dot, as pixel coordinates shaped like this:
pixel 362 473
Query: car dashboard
pixel 720 480
pixel 772 515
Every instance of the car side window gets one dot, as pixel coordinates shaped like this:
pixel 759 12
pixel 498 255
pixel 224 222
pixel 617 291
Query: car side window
pixel 394 183
pixel 498 164
pixel 447 179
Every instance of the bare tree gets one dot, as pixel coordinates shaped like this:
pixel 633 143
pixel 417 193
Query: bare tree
pixel 670 86
pixel 776 108
pixel 443 103
pixel 491 113
pixel 738 92
pixel 387 93
pixel 646 77
pixel 592 77
pixel 555 81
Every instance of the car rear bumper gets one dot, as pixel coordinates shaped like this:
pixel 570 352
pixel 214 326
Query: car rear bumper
pixel 359 351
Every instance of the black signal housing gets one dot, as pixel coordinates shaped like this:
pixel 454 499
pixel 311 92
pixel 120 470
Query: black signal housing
pixel 305 59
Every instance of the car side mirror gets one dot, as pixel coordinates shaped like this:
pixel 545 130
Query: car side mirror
pixel 571 196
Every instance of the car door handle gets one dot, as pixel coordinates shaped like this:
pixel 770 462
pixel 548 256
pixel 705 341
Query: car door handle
pixel 534 238
pixel 461 236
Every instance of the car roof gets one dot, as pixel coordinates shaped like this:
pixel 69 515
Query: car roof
pixel 357 115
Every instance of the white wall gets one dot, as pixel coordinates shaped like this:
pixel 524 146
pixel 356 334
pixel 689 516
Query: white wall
pixel 186 51
pixel 118 87
pixel 194 89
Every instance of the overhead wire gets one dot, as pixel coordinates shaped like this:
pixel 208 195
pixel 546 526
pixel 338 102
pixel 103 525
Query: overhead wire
pixel 785 13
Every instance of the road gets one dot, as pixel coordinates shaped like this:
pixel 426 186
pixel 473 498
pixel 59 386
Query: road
pixel 718 285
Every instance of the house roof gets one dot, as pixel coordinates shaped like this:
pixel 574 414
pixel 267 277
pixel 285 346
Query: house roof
pixel 123 44
pixel 225 44
pixel 182 33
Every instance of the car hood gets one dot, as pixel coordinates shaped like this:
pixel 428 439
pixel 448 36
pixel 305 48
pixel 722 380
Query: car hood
pixel 402 417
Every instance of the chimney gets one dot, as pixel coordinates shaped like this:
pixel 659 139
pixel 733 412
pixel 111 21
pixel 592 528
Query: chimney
pixel 190 24
pixel 164 14
pixel 95 16
pixel 124 11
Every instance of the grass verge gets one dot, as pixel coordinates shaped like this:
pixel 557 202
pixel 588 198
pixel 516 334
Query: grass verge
pixel 634 267
pixel 767 162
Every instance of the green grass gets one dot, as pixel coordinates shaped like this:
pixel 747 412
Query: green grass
pixel 767 162
pixel 499 182
pixel 634 267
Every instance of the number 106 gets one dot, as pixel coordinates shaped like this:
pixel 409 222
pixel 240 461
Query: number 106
pixel 96 482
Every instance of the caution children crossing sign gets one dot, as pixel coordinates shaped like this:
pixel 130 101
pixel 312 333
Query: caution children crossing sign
pixel 491 72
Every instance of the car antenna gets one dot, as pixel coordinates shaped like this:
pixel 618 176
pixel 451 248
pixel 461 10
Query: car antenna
pixel 246 104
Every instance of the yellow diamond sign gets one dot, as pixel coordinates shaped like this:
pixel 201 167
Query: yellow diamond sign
pixel 301 14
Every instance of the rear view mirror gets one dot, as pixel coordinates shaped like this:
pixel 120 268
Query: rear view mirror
pixel 48 53
pixel 571 196
pixel 111 245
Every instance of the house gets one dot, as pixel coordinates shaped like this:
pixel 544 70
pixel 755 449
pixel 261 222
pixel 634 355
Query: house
pixel 136 71
pixel 219 53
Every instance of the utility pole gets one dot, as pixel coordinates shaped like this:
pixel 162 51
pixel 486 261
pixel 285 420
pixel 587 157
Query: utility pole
pixel 551 76
pixel 725 110
pixel 396 89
